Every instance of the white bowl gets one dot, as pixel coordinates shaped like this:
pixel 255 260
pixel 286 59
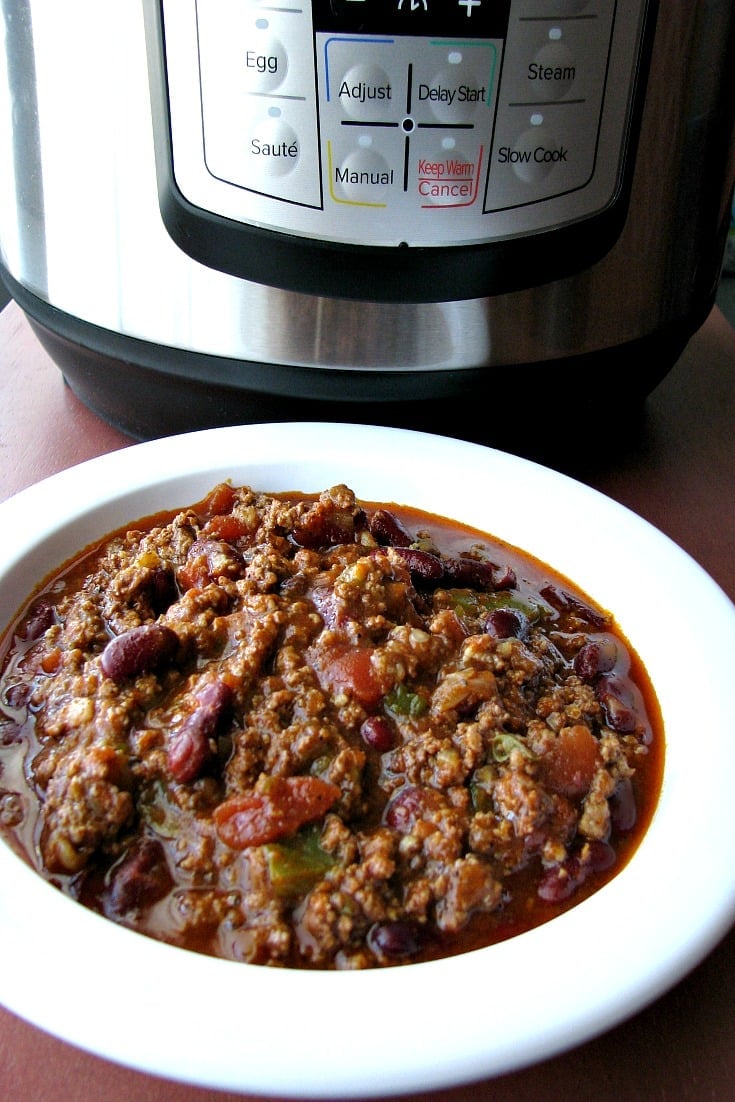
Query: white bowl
pixel 345 1034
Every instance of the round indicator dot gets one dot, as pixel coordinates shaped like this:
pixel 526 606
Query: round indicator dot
pixel 408 125
pixel 455 57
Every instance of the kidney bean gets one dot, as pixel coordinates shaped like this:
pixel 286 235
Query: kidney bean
pixel 190 746
pixel 325 530
pixel 612 695
pixel 208 559
pixel 596 657
pixel 141 879
pixel 163 589
pixel 623 809
pixel 394 939
pixel 410 804
pixel 504 577
pixel 40 619
pixel 10 733
pixel 18 695
pixel 561 881
pixel 504 623
pixel 138 651
pixel 424 568
pixel 567 603
pixel 478 574
pixel 386 528
pixel 379 732
pixel 473 573
pixel 602 856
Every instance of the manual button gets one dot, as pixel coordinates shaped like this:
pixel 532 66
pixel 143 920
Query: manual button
pixel 363 177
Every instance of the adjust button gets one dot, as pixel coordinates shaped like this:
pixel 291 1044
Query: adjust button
pixel 365 93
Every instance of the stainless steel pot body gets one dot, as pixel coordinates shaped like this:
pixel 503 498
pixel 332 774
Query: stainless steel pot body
pixel 85 250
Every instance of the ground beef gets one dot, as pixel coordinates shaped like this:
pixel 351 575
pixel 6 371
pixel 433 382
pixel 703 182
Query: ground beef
pixel 312 732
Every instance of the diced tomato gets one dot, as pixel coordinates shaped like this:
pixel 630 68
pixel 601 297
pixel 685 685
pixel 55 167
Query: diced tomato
pixel 572 761
pixel 225 527
pixel 283 806
pixel 220 500
pixel 351 670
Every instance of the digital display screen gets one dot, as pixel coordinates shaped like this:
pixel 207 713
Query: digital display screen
pixel 458 18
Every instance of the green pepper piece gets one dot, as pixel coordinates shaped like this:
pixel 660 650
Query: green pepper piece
pixel 296 864
pixel 532 609
pixel 401 701
pixel 504 744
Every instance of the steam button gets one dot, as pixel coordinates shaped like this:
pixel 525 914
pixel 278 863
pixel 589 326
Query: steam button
pixel 552 72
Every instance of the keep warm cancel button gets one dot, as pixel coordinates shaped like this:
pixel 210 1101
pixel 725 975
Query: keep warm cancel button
pixel 450 181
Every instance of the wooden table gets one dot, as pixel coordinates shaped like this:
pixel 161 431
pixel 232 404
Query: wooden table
pixel 677 469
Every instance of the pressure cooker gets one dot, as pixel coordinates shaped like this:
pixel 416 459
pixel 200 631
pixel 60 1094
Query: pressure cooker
pixel 449 213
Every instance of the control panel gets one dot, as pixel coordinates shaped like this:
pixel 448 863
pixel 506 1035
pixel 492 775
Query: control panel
pixel 419 123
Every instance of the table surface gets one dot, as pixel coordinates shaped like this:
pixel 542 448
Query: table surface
pixel 677 469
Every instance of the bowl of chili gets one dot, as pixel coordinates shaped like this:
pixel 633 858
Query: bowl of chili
pixel 306 611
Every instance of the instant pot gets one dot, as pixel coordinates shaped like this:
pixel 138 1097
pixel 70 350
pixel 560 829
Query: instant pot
pixel 451 213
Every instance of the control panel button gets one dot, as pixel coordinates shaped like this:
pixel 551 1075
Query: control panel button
pixel 364 92
pixel 364 177
pixel 265 64
pixel 552 71
pixel 273 149
pixel 454 94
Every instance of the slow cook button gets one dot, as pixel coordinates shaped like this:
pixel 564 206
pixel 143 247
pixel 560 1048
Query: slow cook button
pixel 534 155
pixel 273 149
